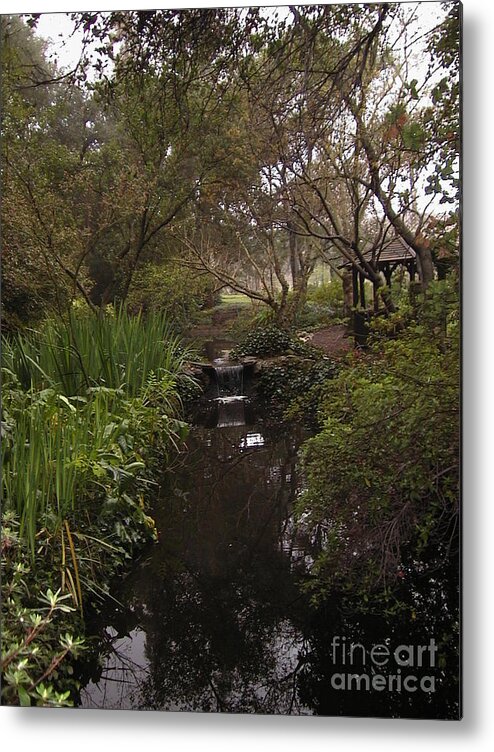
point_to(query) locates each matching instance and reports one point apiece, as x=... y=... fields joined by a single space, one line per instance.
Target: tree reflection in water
x=216 y=603
x=214 y=619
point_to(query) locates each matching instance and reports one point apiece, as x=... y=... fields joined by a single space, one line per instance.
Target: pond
x=213 y=619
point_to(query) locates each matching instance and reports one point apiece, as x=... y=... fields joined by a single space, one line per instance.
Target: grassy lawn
x=234 y=298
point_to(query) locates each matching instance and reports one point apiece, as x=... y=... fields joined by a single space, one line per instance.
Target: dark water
x=214 y=618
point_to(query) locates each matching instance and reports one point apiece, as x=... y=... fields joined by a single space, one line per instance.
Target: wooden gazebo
x=392 y=254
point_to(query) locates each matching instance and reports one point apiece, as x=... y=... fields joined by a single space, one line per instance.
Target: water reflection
x=214 y=618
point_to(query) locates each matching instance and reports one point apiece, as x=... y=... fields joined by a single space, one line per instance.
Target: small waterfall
x=231 y=401
x=229 y=378
x=231 y=412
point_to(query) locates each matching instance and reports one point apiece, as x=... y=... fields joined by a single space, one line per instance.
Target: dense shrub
x=314 y=316
x=299 y=369
x=270 y=340
x=255 y=316
x=382 y=475
x=30 y=290
x=284 y=385
x=37 y=629
x=329 y=296
x=323 y=306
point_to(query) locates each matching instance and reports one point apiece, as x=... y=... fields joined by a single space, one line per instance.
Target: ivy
x=270 y=340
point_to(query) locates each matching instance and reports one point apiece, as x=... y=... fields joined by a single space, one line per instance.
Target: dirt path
x=334 y=340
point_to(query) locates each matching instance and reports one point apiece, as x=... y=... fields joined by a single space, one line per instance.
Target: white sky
x=57 y=28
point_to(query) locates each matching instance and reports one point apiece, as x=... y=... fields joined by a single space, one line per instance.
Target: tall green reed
x=60 y=455
x=87 y=351
x=49 y=457
x=78 y=396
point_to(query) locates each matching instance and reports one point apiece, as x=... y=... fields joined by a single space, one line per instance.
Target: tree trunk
x=294 y=261
x=347 y=293
x=426 y=270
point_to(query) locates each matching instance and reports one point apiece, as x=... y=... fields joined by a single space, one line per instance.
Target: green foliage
x=92 y=192
x=413 y=136
x=112 y=350
x=28 y=293
x=293 y=387
x=83 y=406
x=328 y=294
x=443 y=235
x=382 y=475
x=36 y=649
x=60 y=455
x=323 y=306
x=30 y=287
x=269 y=340
x=176 y=292
x=255 y=316
x=87 y=405
x=442 y=121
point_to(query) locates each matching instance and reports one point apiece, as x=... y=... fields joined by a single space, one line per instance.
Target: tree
x=246 y=143
x=353 y=154
x=168 y=96
x=243 y=234
x=441 y=120
x=32 y=281
x=399 y=155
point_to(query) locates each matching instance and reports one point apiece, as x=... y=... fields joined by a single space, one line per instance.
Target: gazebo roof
x=392 y=251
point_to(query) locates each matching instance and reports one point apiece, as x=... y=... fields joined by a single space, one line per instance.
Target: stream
x=213 y=619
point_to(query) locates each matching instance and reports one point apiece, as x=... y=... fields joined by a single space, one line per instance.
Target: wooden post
x=387 y=273
x=355 y=287
x=347 y=292
x=362 y=290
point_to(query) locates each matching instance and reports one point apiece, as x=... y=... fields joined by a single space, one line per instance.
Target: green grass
x=234 y=298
